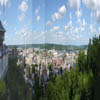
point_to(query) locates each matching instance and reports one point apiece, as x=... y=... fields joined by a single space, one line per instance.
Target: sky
x=67 y=22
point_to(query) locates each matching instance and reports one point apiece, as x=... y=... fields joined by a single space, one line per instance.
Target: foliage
x=33 y=68
x=2 y=90
x=50 y=67
x=28 y=68
x=93 y=56
x=38 y=90
x=18 y=89
x=82 y=61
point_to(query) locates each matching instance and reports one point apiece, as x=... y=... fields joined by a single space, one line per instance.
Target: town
x=42 y=62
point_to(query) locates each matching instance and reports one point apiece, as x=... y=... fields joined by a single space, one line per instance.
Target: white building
x=3 y=54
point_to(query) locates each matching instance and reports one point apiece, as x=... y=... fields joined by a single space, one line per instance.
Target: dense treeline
x=93 y=62
x=73 y=85
x=18 y=90
x=93 y=57
x=82 y=82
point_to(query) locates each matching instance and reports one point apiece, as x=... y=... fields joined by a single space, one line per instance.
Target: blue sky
x=68 y=22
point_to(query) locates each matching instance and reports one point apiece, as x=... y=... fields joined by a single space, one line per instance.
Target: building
x=3 y=54
x=13 y=53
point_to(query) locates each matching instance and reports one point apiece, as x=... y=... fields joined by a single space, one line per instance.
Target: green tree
x=2 y=90
x=88 y=85
x=74 y=93
x=33 y=68
x=50 y=67
x=51 y=94
x=81 y=62
x=38 y=90
x=17 y=86
x=94 y=56
x=66 y=79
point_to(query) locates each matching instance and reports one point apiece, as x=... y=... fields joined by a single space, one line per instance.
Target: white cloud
x=23 y=6
x=37 y=11
x=92 y=29
x=55 y=16
x=57 y=36
x=6 y=37
x=21 y=17
x=5 y=23
x=79 y=21
x=55 y=29
x=3 y=2
x=24 y=34
x=76 y=30
x=98 y=15
x=78 y=13
x=81 y=28
x=99 y=29
x=60 y=33
x=92 y=15
x=83 y=23
x=62 y=11
x=68 y=27
x=38 y=18
x=92 y=4
x=59 y=14
x=74 y=4
x=61 y=38
x=48 y=23
x=37 y=14
x=98 y=34
x=40 y=36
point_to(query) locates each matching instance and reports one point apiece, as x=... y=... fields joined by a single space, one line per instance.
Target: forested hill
x=51 y=46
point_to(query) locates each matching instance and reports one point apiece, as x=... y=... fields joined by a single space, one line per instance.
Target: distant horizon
x=48 y=44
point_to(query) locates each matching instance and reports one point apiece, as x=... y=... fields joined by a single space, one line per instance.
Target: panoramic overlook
x=49 y=49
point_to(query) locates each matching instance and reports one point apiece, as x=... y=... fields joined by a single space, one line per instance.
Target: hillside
x=51 y=46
